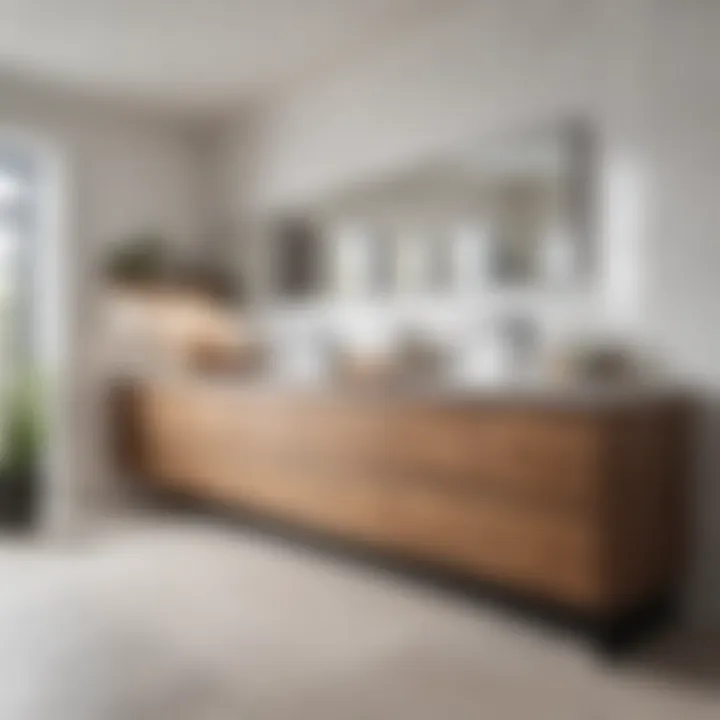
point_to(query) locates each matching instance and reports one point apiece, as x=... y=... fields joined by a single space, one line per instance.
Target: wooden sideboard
x=577 y=503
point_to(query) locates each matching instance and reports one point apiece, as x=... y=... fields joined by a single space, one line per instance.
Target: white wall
x=119 y=171
x=643 y=70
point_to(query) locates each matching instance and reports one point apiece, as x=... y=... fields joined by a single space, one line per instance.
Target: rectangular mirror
x=512 y=213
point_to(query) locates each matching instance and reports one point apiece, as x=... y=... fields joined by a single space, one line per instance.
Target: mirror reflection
x=509 y=214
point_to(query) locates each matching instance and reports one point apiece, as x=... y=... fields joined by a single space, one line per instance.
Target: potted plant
x=138 y=283
x=139 y=262
x=21 y=455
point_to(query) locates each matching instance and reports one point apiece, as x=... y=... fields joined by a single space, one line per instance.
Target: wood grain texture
x=580 y=506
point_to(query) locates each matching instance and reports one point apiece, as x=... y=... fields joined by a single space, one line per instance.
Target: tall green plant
x=22 y=444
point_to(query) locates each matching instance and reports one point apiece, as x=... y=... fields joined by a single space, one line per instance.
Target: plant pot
x=18 y=499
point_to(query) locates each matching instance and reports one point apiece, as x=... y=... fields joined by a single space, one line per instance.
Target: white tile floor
x=179 y=619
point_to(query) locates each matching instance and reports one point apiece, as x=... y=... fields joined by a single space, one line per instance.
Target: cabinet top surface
x=582 y=396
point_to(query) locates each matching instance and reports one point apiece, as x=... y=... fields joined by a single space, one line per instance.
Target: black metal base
x=611 y=636
x=627 y=631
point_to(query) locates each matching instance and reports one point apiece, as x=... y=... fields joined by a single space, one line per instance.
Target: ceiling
x=197 y=55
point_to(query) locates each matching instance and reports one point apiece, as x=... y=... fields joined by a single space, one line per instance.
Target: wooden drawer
x=554 y=556
x=309 y=429
x=187 y=439
x=306 y=496
x=168 y=430
x=553 y=458
x=548 y=457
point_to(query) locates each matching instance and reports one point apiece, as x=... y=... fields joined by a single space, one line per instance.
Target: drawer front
x=557 y=557
x=308 y=429
x=168 y=429
x=534 y=458
x=349 y=507
x=548 y=457
x=186 y=438
x=544 y=457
